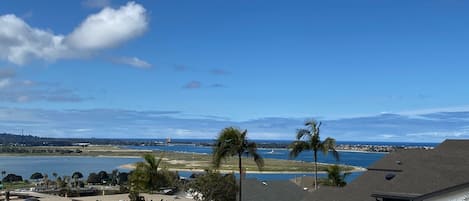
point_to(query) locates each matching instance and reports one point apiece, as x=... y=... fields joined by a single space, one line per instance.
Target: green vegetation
x=36 y=176
x=233 y=142
x=213 y=186
x=309 y=139
x=335 y=177
x=147 y=177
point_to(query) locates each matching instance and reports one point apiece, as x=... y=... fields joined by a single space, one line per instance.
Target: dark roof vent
x=390 y=176
x=399 y=162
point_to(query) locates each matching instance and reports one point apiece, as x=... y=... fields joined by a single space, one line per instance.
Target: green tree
x=93 y=178
x=76 y=178
x=147 y=177
x=213 y=186
x=36 y=176
x=233 y=142
x=308 y=139
x=334 y=176
x=103 y=176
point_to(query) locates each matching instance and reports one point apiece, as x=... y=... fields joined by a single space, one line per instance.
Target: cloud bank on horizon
x=22 y=43
x=103 y=123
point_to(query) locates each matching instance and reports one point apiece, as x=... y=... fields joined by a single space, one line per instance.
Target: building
x=255 y=190
x=409 y=175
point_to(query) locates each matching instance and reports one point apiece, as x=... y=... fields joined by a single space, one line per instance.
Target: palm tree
x=55 y=178
x=233 y=142
x=334 y=176
x=145 y=176
x=308 y=139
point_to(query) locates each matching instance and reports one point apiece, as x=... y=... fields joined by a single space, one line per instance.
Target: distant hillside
x=29 y=140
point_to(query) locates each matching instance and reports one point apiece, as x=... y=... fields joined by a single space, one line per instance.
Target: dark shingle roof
x=417 y=172
x=255 y=190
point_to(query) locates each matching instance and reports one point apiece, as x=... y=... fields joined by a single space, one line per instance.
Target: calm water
x=63 y=166
x=25 y=166
x=347 y=158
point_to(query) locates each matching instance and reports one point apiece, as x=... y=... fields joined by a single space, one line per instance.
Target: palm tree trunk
x=240 y=176
x=315 y=170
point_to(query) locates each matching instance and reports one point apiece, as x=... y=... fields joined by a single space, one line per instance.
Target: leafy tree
x=308 y=139
x=123 y=178
x=334 y=177
x=213 y=186
x=93 y=178
x=12 y=178
x=233 y=142
x=103 y=176
x=36 y=176
x=76 y=177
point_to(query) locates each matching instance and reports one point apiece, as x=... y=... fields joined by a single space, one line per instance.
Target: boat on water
x=271 y=152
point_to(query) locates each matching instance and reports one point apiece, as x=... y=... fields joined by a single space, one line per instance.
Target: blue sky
x=371 y=70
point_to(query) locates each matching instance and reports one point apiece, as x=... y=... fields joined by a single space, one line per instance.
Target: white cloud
x=106 y=29
x=20 y=42
x=132 y=61
x=109 y=28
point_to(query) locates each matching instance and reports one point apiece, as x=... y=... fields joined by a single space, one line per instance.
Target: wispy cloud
x=106 y=29
x=13 y=89
x=217 y=85
x=192 y=85
x=161 y=124
x=132 y=61
x=219 y=71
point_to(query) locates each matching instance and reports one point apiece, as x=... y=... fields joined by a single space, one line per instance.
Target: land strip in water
x=171 y=160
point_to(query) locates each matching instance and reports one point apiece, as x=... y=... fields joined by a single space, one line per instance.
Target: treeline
x=7 y=139
x=24 y=150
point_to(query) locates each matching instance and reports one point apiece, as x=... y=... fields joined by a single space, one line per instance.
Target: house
x=410 y=175
x=255 y=190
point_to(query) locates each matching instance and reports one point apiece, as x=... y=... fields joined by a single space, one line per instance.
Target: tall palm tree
x=308 y=139
x=233 y=142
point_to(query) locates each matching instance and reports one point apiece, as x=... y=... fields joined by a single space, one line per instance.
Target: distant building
x=409 y=175
x=82 y=144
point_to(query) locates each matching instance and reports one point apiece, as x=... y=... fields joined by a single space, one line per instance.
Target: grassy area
x=17 y=185
x=174 y=160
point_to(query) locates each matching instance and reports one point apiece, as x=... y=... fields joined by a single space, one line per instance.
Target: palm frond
x=228 y=143
x=300 y=133
x=329 y=145
x=297 y=147
x=252 y=150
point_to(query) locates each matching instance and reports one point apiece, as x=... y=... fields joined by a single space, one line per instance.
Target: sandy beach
x=356 y=169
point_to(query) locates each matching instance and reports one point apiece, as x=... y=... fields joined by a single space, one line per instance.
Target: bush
x=214 y=186
x=12 y=178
